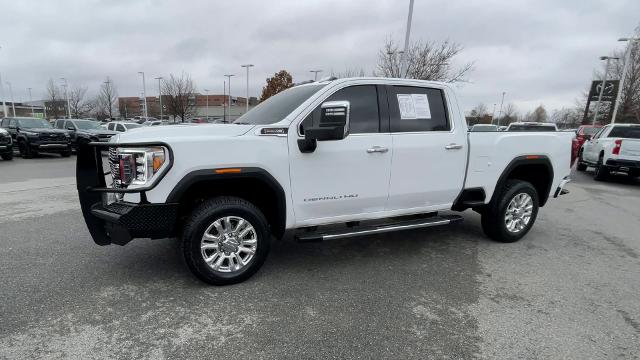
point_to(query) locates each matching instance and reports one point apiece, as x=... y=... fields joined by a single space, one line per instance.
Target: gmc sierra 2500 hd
x=324 y=160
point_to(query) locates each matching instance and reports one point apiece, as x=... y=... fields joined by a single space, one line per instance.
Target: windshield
x=278 y=106
x=590 y=130
x=628 y=132
x=87 y=125
x=34 y=123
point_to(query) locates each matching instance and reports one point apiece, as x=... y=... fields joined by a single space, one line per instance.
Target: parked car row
x=515 y=126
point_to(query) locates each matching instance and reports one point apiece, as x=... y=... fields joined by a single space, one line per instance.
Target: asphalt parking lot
x=569 y=289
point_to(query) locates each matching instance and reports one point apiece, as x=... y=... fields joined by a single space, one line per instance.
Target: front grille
x=5 y=139
x=121 y=176
x=51 y=136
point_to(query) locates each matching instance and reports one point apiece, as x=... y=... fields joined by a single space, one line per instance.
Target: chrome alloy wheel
x=229 y=244
x=518 y=213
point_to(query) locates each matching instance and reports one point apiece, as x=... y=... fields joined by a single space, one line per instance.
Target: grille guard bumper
x=118 y=224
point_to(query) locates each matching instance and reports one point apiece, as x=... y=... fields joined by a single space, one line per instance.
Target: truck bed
x=490 y=153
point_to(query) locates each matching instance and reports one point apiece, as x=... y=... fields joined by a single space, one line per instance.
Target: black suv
x=34 y=135
x=84 y=131
x=6 y=145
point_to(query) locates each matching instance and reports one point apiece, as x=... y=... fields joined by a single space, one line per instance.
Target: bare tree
x=509 y=115
x=179 y=96
x=566 y=118
x=478 y=115
x=80 y=105
x=349 y=72
x=105 y=102
x=54 y=97
x=424 y=61
x=538 y=115
x=629 y=108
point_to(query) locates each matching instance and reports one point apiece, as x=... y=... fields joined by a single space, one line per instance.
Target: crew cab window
x=416 y=115
x=597 y=136
x=628 y=132
x=120 y=127
x=60 y=124
x=363 y=113
x=110 y=126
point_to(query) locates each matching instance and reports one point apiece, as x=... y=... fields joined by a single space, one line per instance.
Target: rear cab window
x=628 y=132
x=417 y=109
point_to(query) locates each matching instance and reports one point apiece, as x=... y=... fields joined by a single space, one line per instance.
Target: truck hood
x=44 y=130
x=179 y=132
x=96 y=132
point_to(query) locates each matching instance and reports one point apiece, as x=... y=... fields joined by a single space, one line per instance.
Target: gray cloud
x=537 y=51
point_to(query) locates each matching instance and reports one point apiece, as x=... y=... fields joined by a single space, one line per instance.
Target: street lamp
x=206 y=91
x=13 y=103
x=500 y=111
x=315 y=74
x=247 y=101
x=4 y=105
x=625 y=68
x=144 y=95
x=229 y=77
x=403 y=57
x=159 y=78
x=604 y=82
x=31 y=103
x=66 y=95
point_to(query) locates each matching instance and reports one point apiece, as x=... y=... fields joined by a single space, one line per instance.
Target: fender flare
x=202 y=175
x=526 y=160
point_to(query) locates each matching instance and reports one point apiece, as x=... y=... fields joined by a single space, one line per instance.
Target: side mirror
x=334 y=125
x=334 y=122
x=71 y=128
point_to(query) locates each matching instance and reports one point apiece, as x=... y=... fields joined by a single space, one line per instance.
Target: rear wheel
x=602 y=171
x=225 y=241
x=581 y=166
x=512 y=213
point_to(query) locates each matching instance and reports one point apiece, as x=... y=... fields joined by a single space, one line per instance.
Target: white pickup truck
x=616 y=147
x=324 y=160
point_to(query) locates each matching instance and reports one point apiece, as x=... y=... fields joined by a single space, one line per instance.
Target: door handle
x=453 y=147
x=377 y=149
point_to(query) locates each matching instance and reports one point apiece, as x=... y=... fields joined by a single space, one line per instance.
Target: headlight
x=134 y=168
x=66 y=135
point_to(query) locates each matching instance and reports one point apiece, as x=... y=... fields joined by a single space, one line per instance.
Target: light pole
x=625 y=68
x=229 y=81
x=4 y=105
x=315 y=74
x=247 y=101
x=66 y=95
x=403 y=57
x=144 y=95
x=159 y=78
x=604 y=82
x=493 y=113
x=500 y=111
x=206 y=91
x=13 y=103
x=31 y=103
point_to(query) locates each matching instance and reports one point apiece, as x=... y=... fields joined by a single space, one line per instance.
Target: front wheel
x=7 y=156
x=225 y=241
x=512 y=213
x=25 y=150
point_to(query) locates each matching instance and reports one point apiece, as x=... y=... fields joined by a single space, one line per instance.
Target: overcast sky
x=539 y=51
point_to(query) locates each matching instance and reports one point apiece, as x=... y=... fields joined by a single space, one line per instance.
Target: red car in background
x=584 y=133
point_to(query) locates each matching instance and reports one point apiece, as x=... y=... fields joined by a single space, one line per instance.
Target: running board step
x=379 y=229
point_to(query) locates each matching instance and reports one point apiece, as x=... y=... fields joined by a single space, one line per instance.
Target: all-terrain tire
x=494 y=223
x=203 y=217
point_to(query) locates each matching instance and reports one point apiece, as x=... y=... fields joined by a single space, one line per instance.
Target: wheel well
x=539 y=175
x=258 y=191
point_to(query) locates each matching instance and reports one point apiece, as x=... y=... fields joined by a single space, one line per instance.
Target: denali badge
x=336 y=197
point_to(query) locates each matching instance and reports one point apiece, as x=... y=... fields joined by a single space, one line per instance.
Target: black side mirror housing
x=334 y=125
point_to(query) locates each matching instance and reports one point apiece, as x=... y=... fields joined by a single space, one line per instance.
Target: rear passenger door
x=429 y=154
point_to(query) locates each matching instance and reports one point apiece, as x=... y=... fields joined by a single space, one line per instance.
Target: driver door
x=342 y=179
